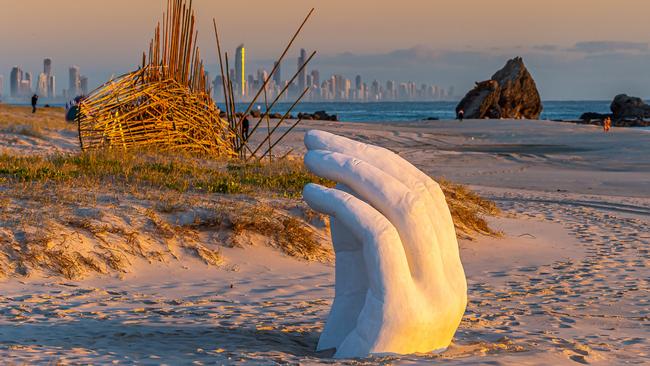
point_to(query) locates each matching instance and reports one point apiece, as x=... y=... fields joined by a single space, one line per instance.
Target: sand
x=568 y=283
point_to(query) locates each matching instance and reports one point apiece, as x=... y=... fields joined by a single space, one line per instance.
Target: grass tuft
x=468 y=210
x=147 y=169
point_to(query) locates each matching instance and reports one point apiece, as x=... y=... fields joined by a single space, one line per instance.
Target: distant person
x=461 y=115
x=244 y=127
x=607 y=124
x=34 y=101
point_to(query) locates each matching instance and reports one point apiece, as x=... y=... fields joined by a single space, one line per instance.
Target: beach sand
x=567 y=284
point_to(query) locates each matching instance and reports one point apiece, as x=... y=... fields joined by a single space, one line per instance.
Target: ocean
x=417 y=111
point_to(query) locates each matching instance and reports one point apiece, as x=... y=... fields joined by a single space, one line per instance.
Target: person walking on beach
x=607 y=124
x=461 y=114
x=34 y=101
x=244 y=127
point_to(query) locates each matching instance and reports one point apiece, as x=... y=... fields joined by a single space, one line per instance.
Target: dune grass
x=469 y=210
x=20 y=120
x=139 y=197
x=147 y=169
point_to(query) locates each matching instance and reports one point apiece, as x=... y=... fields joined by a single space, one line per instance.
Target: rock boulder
x=625 y=107
x=510 y=93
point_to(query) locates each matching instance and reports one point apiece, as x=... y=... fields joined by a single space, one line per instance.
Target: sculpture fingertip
x=313 y=139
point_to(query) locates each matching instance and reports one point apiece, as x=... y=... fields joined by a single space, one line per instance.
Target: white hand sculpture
x=400 y=285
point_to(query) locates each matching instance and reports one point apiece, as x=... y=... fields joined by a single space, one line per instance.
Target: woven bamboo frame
x=165 y=104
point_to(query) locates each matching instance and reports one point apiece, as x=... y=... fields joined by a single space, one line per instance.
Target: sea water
x=417 y=111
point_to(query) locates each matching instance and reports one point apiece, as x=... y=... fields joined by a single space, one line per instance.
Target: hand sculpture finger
x=381 y=245
x=384 y=260
x=390 y=197
x=399 y=168
x=351 y=286
x=422 y=309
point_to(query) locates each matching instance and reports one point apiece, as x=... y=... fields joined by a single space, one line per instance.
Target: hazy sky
x=576 y=49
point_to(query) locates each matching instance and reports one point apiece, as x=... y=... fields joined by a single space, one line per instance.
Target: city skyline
x=22 y=84
x=431 y=42
x=335 y=88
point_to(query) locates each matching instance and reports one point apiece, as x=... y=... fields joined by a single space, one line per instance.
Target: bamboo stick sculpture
x=166 y=103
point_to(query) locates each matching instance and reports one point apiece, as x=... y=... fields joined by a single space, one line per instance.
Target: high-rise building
x=47 y=66
x=74 y=85
x=262 y=75
x=41 y=85
x=231 y=76
x=277 y=77
x=240 y=70
x=315 y=77
x=217 y=87
x=302 y=79
x=49 y=90
x=51 y=86
x=15 y=79
x=2 y=85
x=310 y=80
x=375 y=92
x=26 y=84
x=83 y=85
x=25 y=88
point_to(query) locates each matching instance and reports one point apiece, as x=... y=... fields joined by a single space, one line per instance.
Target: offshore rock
x=510 y=93
x=625 y=107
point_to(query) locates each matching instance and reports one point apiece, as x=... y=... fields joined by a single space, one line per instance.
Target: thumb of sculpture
x=400 y=286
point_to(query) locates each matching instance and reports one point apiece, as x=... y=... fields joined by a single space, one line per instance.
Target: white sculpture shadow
x=400 y=285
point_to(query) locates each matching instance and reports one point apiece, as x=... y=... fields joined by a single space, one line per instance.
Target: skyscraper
x=2 y=85
x=15 y=79
x=26 y=84
x=83 y=85
x=51 y=86
x=49 y=90
x=74 y=84
x=47 y=66
x=41 y=85
x=277 y=77
x=240 y=70
x=302 y=78
x=315 y=77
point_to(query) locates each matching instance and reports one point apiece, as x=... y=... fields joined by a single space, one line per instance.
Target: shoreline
x=415 y=111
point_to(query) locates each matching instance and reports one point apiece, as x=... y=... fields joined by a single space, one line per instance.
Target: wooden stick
x=268 y=125
x=283 y=91
x=277 y=64
x=280 y=139
x=281 y=120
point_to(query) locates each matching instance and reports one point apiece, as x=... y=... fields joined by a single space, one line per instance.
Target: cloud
x=546 y=48
x=610 y=46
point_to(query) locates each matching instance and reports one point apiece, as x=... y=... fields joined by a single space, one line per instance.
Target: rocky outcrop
x=625 y=107
x=627 y=111
x=481 y=101
x=589 y=116
x=510 y=93
x=318 y=116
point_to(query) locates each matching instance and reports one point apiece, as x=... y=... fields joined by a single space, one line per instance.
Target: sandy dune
x=567 y=284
